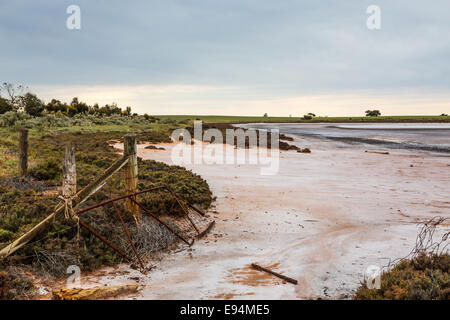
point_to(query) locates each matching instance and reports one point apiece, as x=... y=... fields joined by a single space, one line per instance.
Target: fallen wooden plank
x=378 y=152
x=97 y=293
x=79 y=198
x=255 y=266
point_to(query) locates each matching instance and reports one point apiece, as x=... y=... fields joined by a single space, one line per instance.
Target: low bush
x=5 y=235
x=426 y=277
x=58 y=119
x=49 y=170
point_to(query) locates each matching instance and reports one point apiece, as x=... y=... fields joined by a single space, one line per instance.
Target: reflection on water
x=419 y=136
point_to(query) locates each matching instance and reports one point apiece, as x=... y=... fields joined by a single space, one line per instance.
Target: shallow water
x=419 y=136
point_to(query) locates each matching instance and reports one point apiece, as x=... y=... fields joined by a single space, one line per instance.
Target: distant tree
x=444 y=115
x=71 y=111
x=13 y=93
x=32 y=104
x=5 y=105
x=308 y=116
x=94 y=109
x=265 y=115
x=373 y=113
x=128 y=111
x=104 y=111
x=56 y=106
x=115 y=109
x=81 y=107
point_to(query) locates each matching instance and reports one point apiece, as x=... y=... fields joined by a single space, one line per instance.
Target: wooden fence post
x=69 y=169
x=23 y=153
x=80 y=197
x=131 y=173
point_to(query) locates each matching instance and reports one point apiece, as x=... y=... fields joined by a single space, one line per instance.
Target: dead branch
x=257 y=267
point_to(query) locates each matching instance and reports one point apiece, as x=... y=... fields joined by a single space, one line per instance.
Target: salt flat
x=322 y=220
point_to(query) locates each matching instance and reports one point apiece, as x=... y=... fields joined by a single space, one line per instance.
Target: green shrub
x=425 y=277
x=5 y=235
x=11 y=118
x=5 y=106
x=46 y=171
x=59 y=119
x=32 y=104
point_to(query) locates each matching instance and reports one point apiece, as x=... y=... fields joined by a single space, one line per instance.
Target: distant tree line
x=18 y=98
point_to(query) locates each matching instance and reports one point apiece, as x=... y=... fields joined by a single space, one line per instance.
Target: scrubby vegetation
x=22 y=119
x=19 y=107
x=23 y=203
x=424 y=274
x=425 y=277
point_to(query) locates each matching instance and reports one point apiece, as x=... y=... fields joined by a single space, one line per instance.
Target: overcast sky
x=243 y=57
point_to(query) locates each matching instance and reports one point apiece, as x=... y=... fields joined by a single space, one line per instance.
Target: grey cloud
x=283 y=46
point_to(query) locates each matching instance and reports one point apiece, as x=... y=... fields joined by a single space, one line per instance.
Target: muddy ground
x=322 y=220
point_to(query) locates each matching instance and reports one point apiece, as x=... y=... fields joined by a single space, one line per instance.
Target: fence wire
x=426 y=242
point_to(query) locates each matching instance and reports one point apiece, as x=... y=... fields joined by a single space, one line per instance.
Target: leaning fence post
x=69 y=169
x=23 y=153
x=131 y=173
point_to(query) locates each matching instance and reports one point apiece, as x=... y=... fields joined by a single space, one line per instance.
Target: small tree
x=5 y=106
x=71 y=111
x=94 y=109
x=32 y=104
x=55 y=106
x=13 y=93
x=81 y=107
x=373 y=113
x=265 y=115
x=308 y=116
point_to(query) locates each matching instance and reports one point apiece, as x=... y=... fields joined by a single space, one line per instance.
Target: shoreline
x=344 y=121
x=322 y=220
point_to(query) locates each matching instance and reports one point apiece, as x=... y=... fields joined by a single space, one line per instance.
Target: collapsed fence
x=71 y=201
x=132 y=197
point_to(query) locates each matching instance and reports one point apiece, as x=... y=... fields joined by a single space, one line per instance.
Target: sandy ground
x=322 y=220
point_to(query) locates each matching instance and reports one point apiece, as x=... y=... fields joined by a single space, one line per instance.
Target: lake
x=433 y=137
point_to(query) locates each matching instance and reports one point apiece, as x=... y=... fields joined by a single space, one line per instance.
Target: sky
x=233 y=57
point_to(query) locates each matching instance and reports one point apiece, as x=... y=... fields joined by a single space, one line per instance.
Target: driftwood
x=78 y=199
x=255 y=266
x=93 y=293
x=378 y=152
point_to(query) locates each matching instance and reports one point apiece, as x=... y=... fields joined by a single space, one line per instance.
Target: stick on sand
x=255 y=266
x=379 y=152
